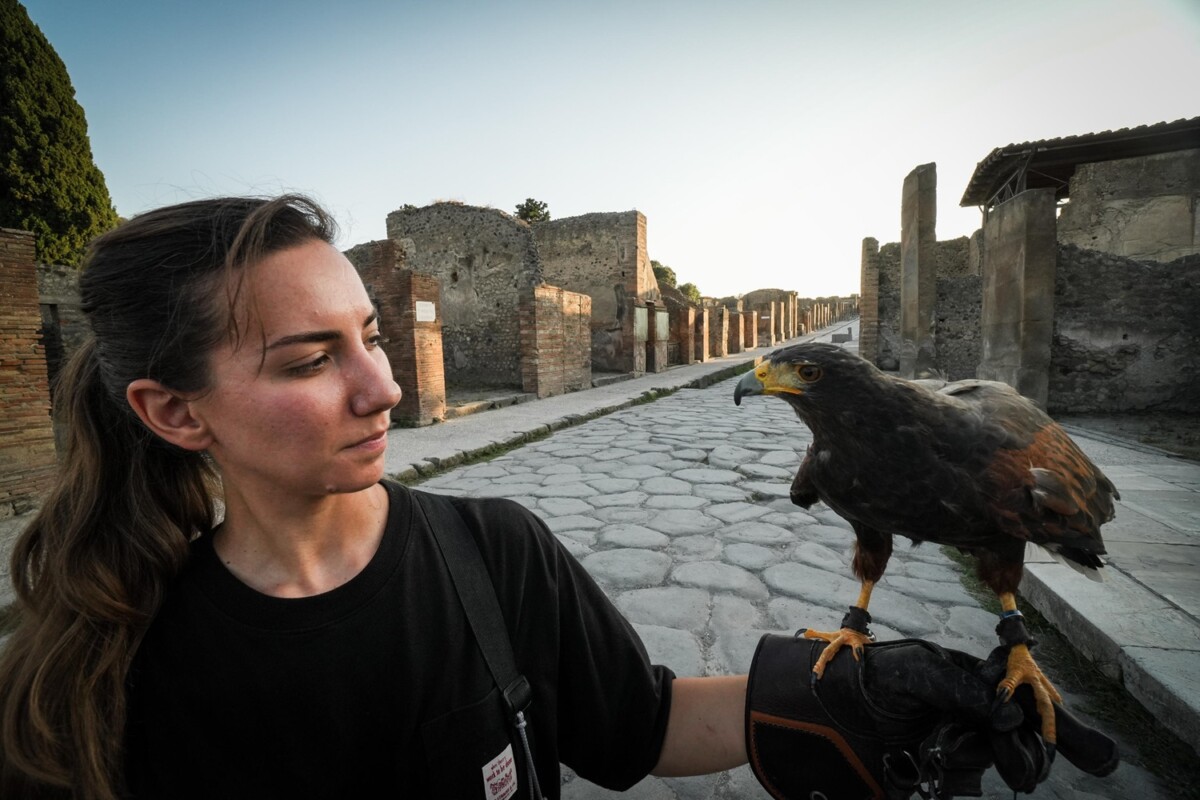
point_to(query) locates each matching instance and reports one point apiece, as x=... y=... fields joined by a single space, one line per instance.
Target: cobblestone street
x=679 y=509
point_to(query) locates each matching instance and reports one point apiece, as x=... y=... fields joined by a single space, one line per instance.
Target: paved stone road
x=679 y=509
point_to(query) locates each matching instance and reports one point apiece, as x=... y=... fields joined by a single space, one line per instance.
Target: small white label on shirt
x=500 y=776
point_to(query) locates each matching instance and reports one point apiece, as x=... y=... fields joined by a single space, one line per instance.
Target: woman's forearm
x=705 y=731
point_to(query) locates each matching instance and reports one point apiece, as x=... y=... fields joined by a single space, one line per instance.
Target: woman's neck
x=285 y=548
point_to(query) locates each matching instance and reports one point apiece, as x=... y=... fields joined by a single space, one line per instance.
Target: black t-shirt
x=377 y=688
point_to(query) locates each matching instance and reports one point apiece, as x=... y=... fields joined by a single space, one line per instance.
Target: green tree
x=662 y=273
x=533 y=211
x=49 y=183
x=690 y=292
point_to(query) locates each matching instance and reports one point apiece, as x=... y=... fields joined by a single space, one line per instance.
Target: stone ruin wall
x=1144 y=208
x=956 y=311
x=957 y=336
x=1125 y=334
x=603 y=255
x=484 y=259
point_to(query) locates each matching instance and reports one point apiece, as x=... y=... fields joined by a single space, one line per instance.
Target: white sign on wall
x=425 y=311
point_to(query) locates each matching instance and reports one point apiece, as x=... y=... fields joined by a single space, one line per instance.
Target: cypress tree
x=49 y=183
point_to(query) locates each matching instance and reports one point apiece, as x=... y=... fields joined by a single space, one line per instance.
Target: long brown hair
x=91 y=569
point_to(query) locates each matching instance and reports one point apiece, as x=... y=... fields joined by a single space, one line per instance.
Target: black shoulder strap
x=478 y=596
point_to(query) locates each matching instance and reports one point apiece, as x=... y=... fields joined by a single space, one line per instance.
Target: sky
x=762 y=139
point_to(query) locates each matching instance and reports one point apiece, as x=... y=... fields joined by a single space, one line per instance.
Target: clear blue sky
x=762 y=139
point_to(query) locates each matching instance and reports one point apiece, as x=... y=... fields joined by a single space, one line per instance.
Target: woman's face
x=300 y=405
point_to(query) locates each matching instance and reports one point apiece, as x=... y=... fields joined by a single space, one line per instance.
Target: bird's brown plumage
x=971 y=464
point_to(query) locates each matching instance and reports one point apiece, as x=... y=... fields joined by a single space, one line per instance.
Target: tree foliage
x=690 y=292
x=662 y=273
x=49 y=183
x=533 y=211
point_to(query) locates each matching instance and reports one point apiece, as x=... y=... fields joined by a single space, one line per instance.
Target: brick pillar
x=410 y=315
x=683 y=332
x=26 y=434
x=701 y=338
x=868 y=302
x=577 y=341
x=734 y=337
x=718 y=332
x=1017 y=317
x=541 y=323
x=750 y=329
x=918 y=282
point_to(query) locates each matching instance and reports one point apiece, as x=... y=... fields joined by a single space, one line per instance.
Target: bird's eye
x=809 y=373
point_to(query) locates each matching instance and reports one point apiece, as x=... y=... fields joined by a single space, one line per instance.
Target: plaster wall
x=1140 y=208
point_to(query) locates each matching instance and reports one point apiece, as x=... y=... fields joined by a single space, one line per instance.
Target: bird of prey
x=968 y=463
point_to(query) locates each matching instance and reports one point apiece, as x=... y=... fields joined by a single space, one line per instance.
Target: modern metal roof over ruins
x=1051 y=162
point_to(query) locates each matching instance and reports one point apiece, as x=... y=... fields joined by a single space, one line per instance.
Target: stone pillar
x=918 y=287
x=637 y=335
x=657 y=336
x=750 y=330
x=27 y=454
x=735 y=331
x=701 y=334
x=1020 y=258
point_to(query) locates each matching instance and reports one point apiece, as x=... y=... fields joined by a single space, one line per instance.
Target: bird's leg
x=1023 y=669
x=854 y=632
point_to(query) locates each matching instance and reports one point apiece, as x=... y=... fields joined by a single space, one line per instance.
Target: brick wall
x=26 y=433
x=411 y=321
x=555 y=346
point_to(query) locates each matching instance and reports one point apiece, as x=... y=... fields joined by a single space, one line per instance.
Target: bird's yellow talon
x=837 y=640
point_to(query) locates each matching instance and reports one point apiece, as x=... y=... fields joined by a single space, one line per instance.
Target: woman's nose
x=376 y=390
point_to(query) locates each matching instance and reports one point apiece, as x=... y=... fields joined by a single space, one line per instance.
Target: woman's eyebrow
x=309 y=337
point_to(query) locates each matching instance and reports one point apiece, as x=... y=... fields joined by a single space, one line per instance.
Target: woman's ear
x=167 y=414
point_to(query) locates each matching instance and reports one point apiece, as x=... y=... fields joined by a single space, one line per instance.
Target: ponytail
x=92 y=568
x=90 y=572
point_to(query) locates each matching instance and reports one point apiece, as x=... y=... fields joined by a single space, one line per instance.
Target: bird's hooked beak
x=766 y=378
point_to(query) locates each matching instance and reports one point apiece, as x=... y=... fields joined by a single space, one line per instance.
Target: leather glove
x=1021 y=757
x=910 y=717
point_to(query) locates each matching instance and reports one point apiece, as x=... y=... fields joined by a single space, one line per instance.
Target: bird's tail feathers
x=1037 y=554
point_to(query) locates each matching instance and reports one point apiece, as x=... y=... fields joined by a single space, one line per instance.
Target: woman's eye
x=309 y=367
x=376 y=340
x=809 y=373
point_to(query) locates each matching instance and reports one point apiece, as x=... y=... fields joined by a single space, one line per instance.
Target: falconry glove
x=909 y=718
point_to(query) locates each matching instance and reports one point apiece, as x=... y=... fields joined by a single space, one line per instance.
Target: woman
x=312 y=644
x=290 y=649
